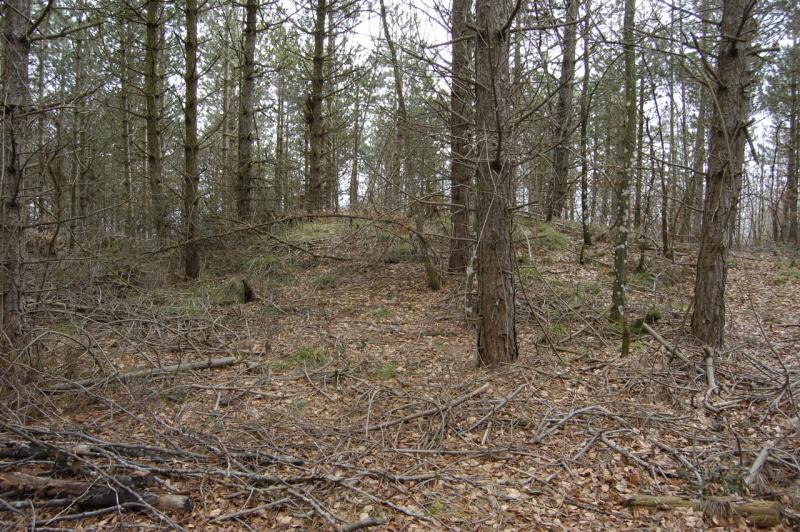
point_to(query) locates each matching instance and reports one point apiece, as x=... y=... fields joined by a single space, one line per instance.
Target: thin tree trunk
x=627 y=145
x=124 y=105
x=246 y=146
x=497 y=336
x=587 y=235
x=461 y=167
x=353 y=188
x=726 y=158
x=280 y=183
x=15 y=124
x=403 y=148
x=692 y=207
x=790 y=211
x=191 y=178
x=561 y=154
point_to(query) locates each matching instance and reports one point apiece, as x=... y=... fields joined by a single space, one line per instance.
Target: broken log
x=166 y=370
x=91 y=495
x=763 y=514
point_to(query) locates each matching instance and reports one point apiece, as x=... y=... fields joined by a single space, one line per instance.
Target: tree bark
x=16 y=59
x=561 y=153
x=691 y=203
x=155 y=162
x=726 y=159
x=790 y=209
x=191 y=178
x=314 y=198
x=627 y=145
x=497 y=336
x=245 y=165
x=587 y=235
x=461 y=167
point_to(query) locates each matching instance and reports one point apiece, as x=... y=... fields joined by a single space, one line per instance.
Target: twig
x=497 y=407
x=429 y=411
x=248 y=511
x=363 y=523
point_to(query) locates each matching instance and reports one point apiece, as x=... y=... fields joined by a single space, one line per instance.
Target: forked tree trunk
x=191 y=179
x=497 y=336
x=16 y=48
x=561 y=158
x=246 y=146
x=461 y=167
x=726 y=158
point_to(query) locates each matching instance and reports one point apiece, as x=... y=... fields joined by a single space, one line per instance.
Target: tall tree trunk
x=637 y=209
x=403 y=148
x=692 y=206
x=313 y=111
x=587 y=235
x=331 y=179
x=790 y=211
x=461 y=167
x=245 y=166
x=280 y=183
x=627 y=145
x=353 y=188
x=561 y=154
x=191 y=178
x=726 y=159
x=155 y=163
x=497 y=336
x=125 y=133
x=16 y=56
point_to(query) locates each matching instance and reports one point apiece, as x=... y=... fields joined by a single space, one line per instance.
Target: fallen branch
x=760 y=513
x=660 y=339
x=90 y=495
x=166 y=370
x=364 y=523
x=759 y=462
x=497 y=407
x=429 y=411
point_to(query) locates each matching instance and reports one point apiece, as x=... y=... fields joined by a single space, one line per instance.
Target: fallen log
x=166 y=370
x=763 y=514
x=91 y=495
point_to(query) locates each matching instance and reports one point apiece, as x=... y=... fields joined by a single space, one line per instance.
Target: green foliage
x=326 y=280
x=381 y=313
x=792 y=273
x=644 y=279
x=309 y=357
x=551 y=239
x=436 y=508
x=386 y=371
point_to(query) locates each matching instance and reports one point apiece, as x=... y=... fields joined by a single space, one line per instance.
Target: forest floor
x=355 y=399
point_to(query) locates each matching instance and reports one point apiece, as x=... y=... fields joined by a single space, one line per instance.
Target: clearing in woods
x=353 y=400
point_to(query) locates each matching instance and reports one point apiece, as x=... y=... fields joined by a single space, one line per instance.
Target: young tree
x=497 y=336
x=16 y=56
x=627 y=146
x=461 y=167
x=726 y=160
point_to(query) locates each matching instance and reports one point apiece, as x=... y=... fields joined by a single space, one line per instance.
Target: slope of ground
x=355 y=399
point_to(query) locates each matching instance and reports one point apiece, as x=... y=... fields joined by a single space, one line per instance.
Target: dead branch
x=91 y=494
x=429 y=411
x=660 y=339
x=760 y=513
x=166 y=370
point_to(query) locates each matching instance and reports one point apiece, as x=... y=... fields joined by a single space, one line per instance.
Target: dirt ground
x=354 y=399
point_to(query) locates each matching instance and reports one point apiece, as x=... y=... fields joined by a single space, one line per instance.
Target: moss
x=551 y=239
